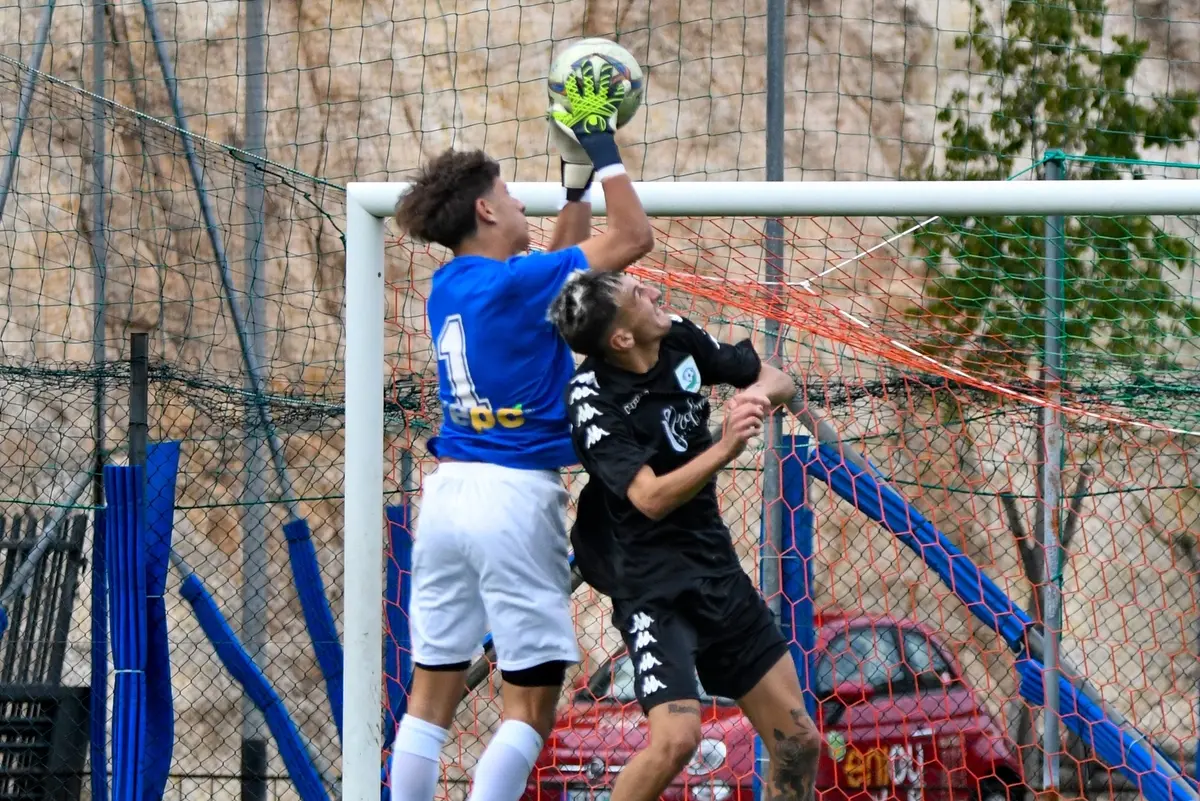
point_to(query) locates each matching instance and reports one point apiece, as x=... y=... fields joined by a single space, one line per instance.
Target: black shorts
x=720 y=629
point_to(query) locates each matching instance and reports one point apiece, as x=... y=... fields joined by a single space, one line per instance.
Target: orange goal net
x=922 y=342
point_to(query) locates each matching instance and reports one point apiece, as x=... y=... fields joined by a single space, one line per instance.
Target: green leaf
x=1053 y=83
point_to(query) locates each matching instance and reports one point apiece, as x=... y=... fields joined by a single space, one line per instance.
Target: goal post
x=369 y=205
x=847 y=198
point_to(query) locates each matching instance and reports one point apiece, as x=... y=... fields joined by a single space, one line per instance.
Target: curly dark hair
x=586 y=309
x=439 y=206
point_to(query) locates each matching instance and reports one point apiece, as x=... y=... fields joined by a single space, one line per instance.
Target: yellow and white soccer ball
x=599 y=50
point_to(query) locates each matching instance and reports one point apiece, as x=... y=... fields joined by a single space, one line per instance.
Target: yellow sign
x=880 y=768
x=866 y=770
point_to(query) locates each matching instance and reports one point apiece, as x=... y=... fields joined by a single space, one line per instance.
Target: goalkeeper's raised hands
x=589 y=117
x=577 y=170
x=593 y=97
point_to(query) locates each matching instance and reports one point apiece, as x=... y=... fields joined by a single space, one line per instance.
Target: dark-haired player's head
x=459 y=201
x=609 y=314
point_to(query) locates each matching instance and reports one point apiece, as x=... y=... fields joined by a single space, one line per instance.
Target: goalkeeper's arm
x=588 y=127
x=574 y=222
x=628 y=236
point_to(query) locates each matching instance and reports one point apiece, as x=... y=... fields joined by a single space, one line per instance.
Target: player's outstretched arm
x=591 y=122
x=572 y=226
x=657 y=496
x=774 y=387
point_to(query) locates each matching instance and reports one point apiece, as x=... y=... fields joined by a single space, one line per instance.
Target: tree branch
x=1071 y=524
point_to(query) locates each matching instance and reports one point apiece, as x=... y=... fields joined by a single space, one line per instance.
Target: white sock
x=414 y=769
x=503 y=770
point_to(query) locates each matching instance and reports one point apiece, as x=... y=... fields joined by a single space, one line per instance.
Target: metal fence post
x=1051 y=478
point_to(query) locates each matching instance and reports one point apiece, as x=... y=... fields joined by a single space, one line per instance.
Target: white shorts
x=490 y=549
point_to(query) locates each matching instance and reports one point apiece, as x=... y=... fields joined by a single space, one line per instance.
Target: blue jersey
x=502 y=366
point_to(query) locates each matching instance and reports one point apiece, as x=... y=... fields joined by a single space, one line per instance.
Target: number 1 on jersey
x=452 y=349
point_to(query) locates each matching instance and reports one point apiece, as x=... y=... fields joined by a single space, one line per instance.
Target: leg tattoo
x=794 y=761
x=683 y=709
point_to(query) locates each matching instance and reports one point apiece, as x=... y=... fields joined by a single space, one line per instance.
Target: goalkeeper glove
x=577 y=170
x=590 y=115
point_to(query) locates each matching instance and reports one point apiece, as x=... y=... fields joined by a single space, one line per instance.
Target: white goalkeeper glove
x=577 y=170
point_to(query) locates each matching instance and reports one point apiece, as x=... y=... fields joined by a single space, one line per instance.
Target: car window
x=922 y=655
x=929 y=666
x=862 y=654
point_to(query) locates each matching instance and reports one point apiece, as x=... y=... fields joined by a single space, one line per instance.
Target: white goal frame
x=369 y=204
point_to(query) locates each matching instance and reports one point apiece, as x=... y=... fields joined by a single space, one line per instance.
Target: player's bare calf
x=775 y=708
x=674 y=737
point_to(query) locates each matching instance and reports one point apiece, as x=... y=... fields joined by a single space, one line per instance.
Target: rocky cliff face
x=366 y=90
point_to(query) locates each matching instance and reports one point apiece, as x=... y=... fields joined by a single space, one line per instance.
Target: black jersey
x=622 y=421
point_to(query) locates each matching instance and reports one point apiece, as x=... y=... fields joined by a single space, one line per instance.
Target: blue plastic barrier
x=397 y=647
x=124 y=487
x=98 y=706
x=795 y=575
x=318 y=617
x=162 y=467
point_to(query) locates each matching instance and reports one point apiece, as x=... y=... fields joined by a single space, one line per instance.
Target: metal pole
x=99 y=243
x=139 y=397
x=214 y=236
x=254 y=509
x=772 y=513
x=771 y=546
x=1051 y=475
x=40 y=37
x=99 y=239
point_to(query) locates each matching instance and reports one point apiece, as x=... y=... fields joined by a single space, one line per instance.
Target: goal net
x=913 y=316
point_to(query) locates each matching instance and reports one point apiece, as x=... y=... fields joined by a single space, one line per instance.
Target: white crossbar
x=854 y=198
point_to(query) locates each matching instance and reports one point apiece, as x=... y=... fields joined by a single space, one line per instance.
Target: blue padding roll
x=884 y=505
x=98 y=705
x=127 y=598
x=1125 y=751
x=252 y=681
x=310 y=588
x=162 y=467
x=397 y=640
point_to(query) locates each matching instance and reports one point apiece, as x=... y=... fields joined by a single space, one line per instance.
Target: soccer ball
x=599 y=50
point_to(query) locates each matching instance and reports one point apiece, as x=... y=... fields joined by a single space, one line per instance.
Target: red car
x=897 y=717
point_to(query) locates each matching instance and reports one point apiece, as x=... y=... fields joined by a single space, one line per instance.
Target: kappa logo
x=651 y=685
x=642 y=640
x=633 y=404
x=641 y=621
x=688 y=375
x=585 y=413
x=647 y=662
x=579 y=393
x=588 y=378
x=594 y=434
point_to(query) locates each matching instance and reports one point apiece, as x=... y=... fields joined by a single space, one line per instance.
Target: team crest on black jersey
x=688 y=375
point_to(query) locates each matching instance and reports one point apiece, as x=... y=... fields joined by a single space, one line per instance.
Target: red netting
x=886 y=326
